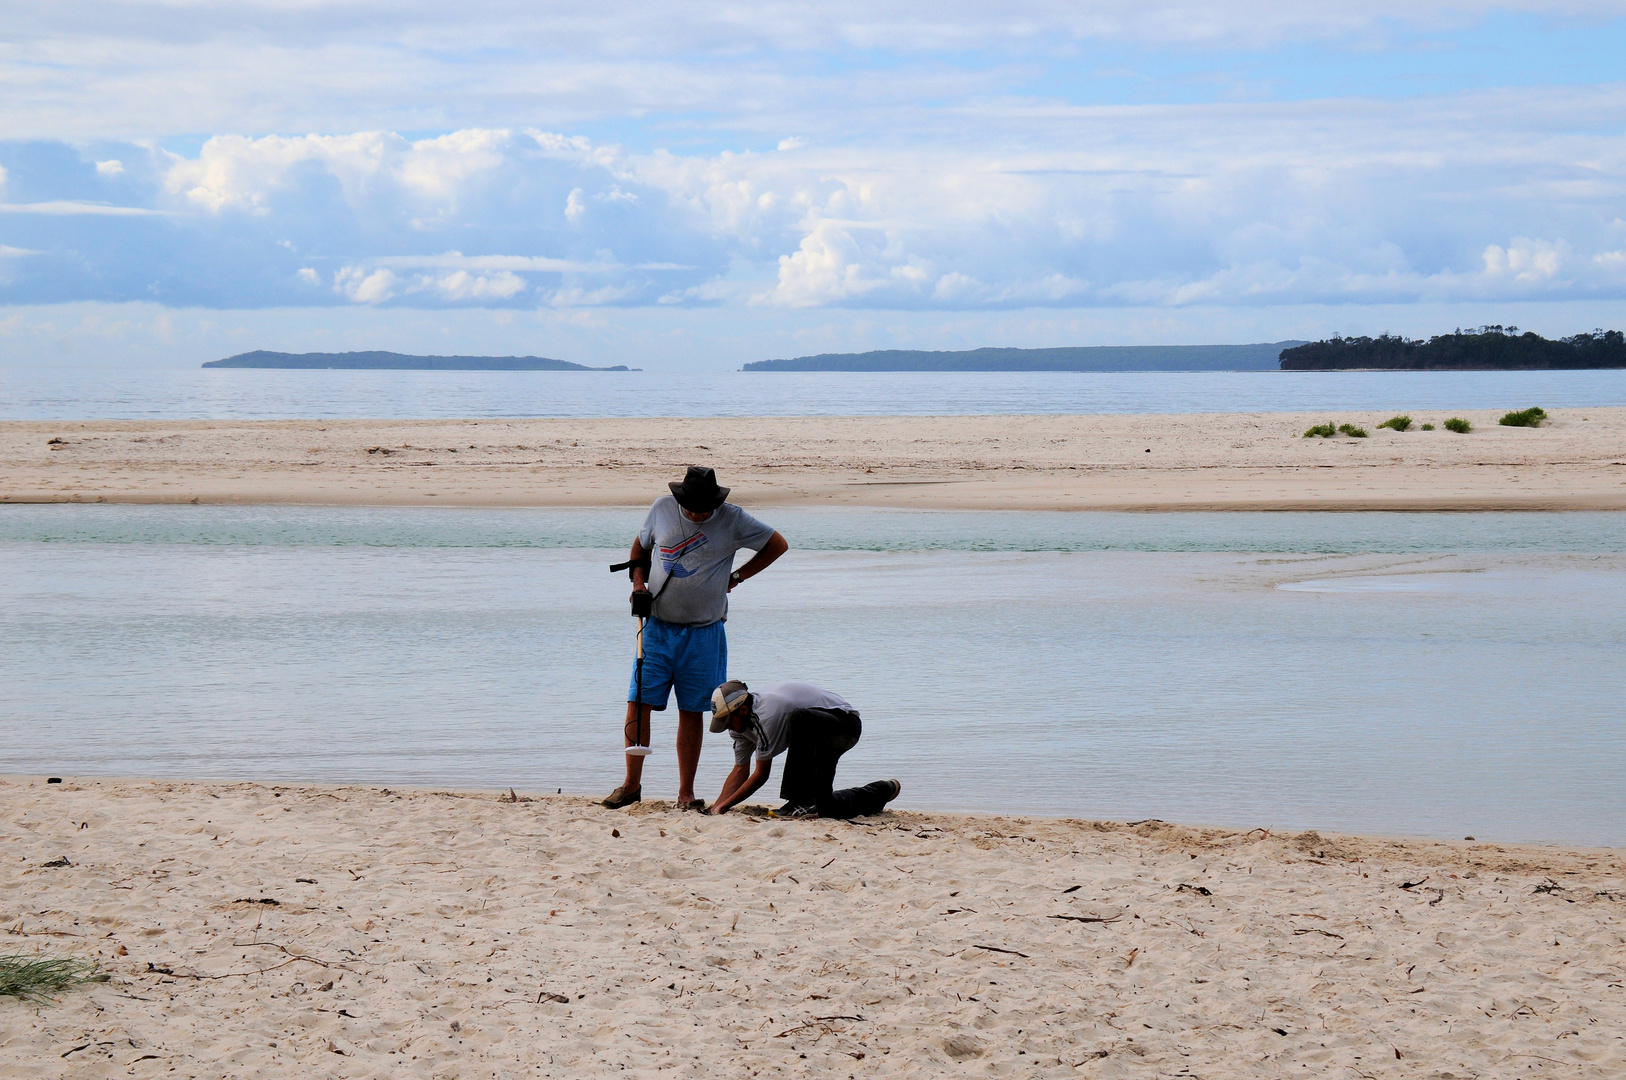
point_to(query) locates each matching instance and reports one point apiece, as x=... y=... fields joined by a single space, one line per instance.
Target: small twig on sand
x=1085 y=918
x=996 y=948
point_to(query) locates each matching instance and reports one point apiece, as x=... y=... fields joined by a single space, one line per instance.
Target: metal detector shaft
x=639 y=748
x=642 y=605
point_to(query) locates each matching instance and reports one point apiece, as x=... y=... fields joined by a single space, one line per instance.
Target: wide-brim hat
x=698 y=491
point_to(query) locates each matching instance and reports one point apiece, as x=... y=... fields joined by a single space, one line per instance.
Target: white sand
x=903 y=945
x=1216 y=461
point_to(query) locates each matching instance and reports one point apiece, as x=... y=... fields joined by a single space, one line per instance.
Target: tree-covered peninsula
x=1489 y=348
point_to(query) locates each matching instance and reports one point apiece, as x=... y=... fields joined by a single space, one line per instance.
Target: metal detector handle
x=630 y=565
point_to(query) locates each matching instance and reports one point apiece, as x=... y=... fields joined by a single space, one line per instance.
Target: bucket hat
x=698 y=492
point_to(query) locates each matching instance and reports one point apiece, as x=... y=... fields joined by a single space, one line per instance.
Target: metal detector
x=643 y=606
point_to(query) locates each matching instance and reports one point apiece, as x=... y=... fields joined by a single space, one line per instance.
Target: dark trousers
x=818 y=738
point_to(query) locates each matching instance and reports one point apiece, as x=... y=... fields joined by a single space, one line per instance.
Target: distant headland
x=1489 y=348
x=389 y=361
x=1261 y=357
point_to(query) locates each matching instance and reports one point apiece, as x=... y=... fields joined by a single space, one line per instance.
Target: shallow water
x=1393 y=678
x=90 y=393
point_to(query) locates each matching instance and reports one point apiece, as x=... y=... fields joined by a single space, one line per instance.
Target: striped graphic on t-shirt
x=671 y=557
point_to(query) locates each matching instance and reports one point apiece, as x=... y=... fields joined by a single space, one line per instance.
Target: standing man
x=816 y=726
x=684 y=556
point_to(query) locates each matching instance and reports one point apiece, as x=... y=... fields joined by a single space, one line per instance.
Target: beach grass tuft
x=1352 y=431
x=1458 y=425
x=1398 y=423
x=1321 y=431
x=31 y=978
x=1531 y=417
x=1428 y=427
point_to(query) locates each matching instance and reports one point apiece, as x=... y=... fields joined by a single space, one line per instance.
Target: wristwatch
x=734 y=579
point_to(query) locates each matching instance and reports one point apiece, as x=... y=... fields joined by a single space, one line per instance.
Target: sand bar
x=1577 y=461
x=254 y=930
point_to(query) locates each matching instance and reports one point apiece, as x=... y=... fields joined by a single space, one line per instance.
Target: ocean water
x=80 y=393
x=1442 y=675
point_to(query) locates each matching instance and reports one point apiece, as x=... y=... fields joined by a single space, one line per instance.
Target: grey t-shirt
x=696 y=558
x=769 y=734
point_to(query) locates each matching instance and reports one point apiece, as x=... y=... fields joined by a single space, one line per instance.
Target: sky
x=693 y=185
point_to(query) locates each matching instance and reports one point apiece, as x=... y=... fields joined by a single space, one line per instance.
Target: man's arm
x=775 y=547
x=637 y=571
x=743 y=787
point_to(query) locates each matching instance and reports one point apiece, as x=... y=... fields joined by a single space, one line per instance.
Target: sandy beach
x=1254 y=461
x=253 y=930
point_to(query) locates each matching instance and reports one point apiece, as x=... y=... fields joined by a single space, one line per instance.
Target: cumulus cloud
x=235 y=172
x=461 y=285
x=1029 y=202
x=575 y=208
x=110 y=168
x=1524 y=260
x=354 y=283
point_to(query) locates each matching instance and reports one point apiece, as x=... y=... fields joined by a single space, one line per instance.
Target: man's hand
x=739 y=786
x=775 y=547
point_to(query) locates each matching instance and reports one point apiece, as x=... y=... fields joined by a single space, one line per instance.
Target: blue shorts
x=692 y=658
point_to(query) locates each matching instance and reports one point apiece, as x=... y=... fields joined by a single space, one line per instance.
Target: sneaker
x=897 y=789
x=795 y=813
x=619 y=798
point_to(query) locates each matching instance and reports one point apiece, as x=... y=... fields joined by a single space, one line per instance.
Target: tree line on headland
x=1489 y=348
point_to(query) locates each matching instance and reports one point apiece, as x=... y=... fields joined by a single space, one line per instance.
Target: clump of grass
x=30 y=978
x=1352 y=431
x=1321 y=431
x=1399 y=423
x=1531 y=417
x=1428 y=427
x=1458 y=425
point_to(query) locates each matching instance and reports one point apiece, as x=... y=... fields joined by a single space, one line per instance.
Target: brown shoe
x=619 y=798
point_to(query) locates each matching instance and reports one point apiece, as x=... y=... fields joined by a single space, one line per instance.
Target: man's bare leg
x=635 y=765
x=689 y=736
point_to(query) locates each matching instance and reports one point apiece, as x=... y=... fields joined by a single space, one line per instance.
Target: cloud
x=1033 y=203
x=354 y=283
x=1524 y=260
x=234 y=172
x=110 y=168
x=60 y=207
x=575 y=208
x=461 y=285
x=7 y=252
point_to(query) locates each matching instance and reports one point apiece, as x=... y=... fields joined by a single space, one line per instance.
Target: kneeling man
x=815 y=726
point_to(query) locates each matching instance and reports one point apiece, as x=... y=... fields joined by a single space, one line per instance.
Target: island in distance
x=389 y=361
x=1260 y=357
